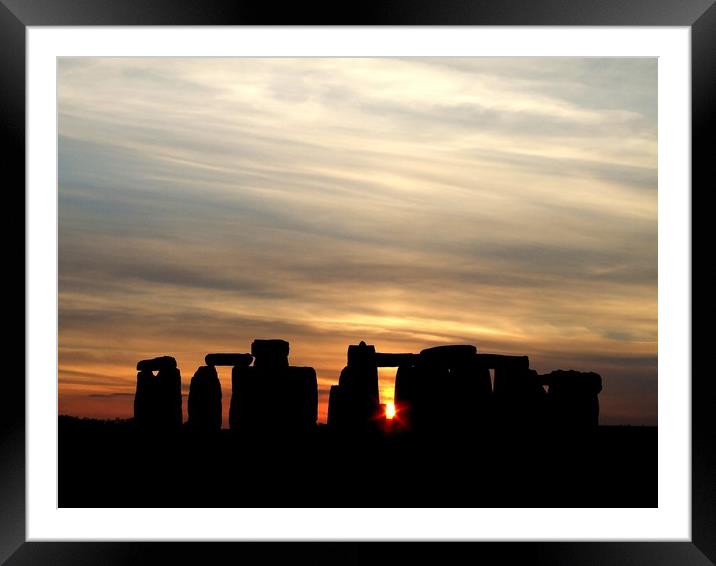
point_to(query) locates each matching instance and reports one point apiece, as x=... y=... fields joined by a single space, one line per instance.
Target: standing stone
x=574 y=399
x=471 y=400
x=361 y=382
x=145 y=399
x=245 y=399
x=335 y=407
x=157 y=401
x=204 y=404
x=270 y=354
x=408 y=397
x=445 y=392
x=519 y=398
x=296 y=394
x=357 y=408
x=271 y=396
x=169 y=392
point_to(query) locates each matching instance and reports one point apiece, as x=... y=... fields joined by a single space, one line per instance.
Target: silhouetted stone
x=271 y=396
x=357 y=406
x=354 y=403
x=145 y=399
x=362 y=372
x=573 y=399
x=472 y=395
x=420 y=407
x=155 y=364
x=498 y=361
x=157 y=401
x=387 y=360
x=515 y=379
x=409 y=394
x=169 y=392
x=335 y=407
x=298 y=394
x=448 y=355
x=428 y=409
x=384 y=423
x=361 y=355
x=224 y=359
x=204 y=404
x=270 y=352
x=519 y=398
x=246 y=399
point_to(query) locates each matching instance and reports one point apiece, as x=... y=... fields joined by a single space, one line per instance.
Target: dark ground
x=112 y=464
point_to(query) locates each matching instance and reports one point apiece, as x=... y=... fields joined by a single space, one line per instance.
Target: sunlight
x=389 y=410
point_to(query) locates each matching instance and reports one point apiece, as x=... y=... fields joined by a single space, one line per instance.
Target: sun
x=389 y=410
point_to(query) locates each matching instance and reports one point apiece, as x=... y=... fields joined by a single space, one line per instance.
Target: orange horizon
x=115 y=400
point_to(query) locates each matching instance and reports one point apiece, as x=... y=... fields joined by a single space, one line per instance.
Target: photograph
x=357 y=282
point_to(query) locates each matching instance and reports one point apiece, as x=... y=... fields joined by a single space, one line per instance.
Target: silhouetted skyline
x=504 y=202
x=270 y=396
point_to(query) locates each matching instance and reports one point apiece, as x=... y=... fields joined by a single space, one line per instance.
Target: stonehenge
x=442 y=389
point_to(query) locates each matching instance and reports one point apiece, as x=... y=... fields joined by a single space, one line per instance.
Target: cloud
x=101 y=395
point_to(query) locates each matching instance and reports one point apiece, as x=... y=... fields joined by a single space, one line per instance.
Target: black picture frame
x=699 y=15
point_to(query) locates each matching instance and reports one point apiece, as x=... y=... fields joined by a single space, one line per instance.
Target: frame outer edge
x=703 y=123
x=12 y=120
x=368 y=12
x=12 y=397
x=354 y=553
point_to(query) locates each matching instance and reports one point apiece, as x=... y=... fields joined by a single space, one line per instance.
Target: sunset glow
x=389 y=410
x=503 y=202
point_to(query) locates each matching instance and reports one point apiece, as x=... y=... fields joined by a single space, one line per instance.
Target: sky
x=509 y=203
